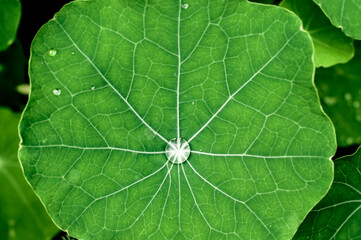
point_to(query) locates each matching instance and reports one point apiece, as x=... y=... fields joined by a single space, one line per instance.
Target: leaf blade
x=163 y=84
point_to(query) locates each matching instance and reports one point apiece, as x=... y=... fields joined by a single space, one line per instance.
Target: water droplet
x=92 y=88
x=193 y=103
x=52 y=52
x=177 y=150
x=185 y=5
x=330 y=101
x=74 y=177
x=56 y=91
x=72 y=53
x=348 y=97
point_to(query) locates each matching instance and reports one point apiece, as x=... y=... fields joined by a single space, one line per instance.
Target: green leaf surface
x=338 y=215
x=344 y=14
x=330 y=43
x=12 y=66
x=115 y=84
x=22 y=216
x=10 y=13
x=339 y=88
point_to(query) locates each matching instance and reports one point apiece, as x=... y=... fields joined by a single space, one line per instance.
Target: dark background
x=37 y=13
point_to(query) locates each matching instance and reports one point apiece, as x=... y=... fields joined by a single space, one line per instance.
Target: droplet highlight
x=56 y=91
x=185 y=5
x=177 y=150
x=92 y=88
x=52 y=52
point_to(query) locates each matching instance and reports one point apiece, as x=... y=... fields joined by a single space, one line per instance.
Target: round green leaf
x=22 y=216
x=344 y=14
x=10 y=13
x=338 y=215
x=340 y=92
x=121 y=89
x=331 y=45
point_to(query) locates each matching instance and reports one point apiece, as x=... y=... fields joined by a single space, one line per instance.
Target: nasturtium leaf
x=12 y=66
x=330 y=43
x=339 y=88
x=175 y=120
x=10 y=13
x=338 y=215
x=22 y=216
x=344 y=14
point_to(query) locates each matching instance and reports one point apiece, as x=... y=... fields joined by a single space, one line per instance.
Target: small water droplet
x=72 y=53
x=56 y=91
x=185 y=5
x=52 y=52
x=330 y=101
x=92 y=88
x=348 y=97
x=177 y=151
x=193 y=103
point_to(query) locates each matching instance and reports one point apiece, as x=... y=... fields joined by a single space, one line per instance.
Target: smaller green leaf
x=10 y=12
x=338 y=215
x=344 y=14
x=22 y=216
x=340 y=92
x=331 y=45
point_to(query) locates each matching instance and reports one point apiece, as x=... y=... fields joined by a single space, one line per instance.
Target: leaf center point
x=177 y=150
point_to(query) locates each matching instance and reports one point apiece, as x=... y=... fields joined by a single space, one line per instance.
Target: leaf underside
x=114 y=81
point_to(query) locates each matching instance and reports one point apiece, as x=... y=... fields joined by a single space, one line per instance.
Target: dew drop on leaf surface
x=185 y=5
x=56 y=91
x=177 y=150
x=52 y=52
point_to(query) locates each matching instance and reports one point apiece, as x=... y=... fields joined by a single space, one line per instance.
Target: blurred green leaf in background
x=337 y=216
x=340 y=93
x=330 y=43
x=22 y=216
x=10 y=12
x=344 y=14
